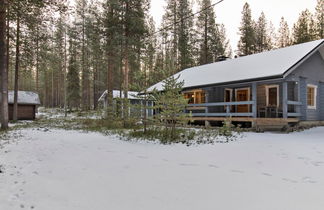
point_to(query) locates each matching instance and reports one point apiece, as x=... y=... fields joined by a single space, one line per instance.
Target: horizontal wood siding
x=261 y=98
x=25 y=112
x=310 y=72
x=321 y=93
x=215 y=94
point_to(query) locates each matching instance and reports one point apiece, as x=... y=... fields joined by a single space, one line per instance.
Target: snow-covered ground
x=71 y=170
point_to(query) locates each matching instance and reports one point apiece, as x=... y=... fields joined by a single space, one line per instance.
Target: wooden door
x=242 y=95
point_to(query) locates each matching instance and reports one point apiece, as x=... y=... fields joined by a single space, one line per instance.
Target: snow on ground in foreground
x=71 y=170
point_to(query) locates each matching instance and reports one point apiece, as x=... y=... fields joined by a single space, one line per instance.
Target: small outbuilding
x=27 y=105
x=137 y=103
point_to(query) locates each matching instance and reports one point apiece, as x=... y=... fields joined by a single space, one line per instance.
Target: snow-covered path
x=71 y=170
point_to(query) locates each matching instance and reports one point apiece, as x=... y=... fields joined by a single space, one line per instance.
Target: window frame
x=231 y=94
x=267 y=94
x=315 y=96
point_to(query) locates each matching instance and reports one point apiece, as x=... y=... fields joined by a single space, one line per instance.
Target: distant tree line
x=70 y=53
x=260 y=35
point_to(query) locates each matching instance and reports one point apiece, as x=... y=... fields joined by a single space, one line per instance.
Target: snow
x=266 y=64
x=24 y=97
x=72 y=170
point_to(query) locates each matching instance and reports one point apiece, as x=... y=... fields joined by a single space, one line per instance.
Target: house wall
x=310 y=72
x=321 y=101
x=214 y=95
x=25 y=112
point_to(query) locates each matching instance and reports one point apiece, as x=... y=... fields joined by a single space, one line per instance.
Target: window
x=228 y=95
x=272 y=95
x=195 y=97
x=311 y=96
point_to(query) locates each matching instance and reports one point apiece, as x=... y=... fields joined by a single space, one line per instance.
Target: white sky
x=229 y=12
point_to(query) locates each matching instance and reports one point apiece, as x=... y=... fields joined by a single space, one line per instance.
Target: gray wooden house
x=276 y=87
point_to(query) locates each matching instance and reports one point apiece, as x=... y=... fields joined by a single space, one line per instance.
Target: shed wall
x=25 y=112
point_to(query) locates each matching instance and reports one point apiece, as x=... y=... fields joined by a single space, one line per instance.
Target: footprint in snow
x=307 y=179
x=237 y=171
x=289 y=180
x=212 y=166
x=188 y=164
x=266 y=174
x=142 y=157
x=318 y=163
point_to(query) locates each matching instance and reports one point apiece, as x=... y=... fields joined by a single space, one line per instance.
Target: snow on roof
x=116 y=94
x=24 y=97
x=261 y=65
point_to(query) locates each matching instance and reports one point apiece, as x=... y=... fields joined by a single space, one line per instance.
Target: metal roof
x=270 y=64
x=24 y=97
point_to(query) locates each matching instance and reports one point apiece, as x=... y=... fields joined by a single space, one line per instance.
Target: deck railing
x=228 y=112
x=297 y=104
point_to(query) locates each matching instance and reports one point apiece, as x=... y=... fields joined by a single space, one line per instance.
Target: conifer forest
x=70 y=52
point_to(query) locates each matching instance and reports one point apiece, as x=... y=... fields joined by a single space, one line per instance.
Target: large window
x=311 y=96
x=195 y=97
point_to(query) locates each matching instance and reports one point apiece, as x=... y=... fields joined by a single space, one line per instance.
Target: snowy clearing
x=72 y=170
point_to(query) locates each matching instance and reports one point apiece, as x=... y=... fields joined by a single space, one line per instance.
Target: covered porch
x=272 y=102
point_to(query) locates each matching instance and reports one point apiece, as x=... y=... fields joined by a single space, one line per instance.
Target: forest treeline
x=70 y=52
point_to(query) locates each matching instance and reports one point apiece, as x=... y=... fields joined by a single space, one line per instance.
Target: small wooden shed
x=27 y=105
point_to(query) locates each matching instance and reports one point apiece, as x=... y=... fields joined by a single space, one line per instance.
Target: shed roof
x=273 y=63
x=116 y=94
x=24 y=97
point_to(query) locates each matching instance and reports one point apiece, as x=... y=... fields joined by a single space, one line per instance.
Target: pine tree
x=304 y=30
x=73 y=79
x=3 y=66
x=320 y=18
x=112 y=37
x=207 y=34
x=247 y=43
x=94 y=25
x=82 y=17
x=185 y=35
x=284 y=38
x=262 y=37
x=179 y=34
x=171 y=104
x=133 y=25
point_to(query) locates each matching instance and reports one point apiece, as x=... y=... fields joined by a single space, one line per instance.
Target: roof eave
x=298 y=63
x=280 y=76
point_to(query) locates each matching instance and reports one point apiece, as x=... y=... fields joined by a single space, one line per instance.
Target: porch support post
x=285 y=99
x=303 y=97
x=254 y=99
x=298 y=95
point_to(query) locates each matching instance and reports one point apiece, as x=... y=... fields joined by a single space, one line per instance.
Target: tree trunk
x=15 y=108
x=37 y=58
x=65 y=75
x=110 y=85
x=126 y=70
x=3 y=65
